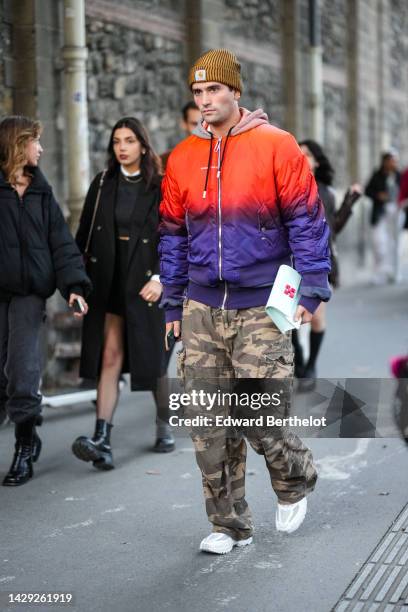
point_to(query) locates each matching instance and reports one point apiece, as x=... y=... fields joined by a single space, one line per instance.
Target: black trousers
x=21 y=319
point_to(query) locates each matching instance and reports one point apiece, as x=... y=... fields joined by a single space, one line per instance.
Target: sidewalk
x=128 y=540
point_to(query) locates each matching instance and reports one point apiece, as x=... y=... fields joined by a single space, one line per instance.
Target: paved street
x=127 y=540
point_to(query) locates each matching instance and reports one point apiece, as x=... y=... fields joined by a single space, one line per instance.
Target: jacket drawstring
x=208 y=168
x=210 y=158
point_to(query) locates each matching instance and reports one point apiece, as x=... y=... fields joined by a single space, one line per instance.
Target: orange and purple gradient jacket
x=233 y=211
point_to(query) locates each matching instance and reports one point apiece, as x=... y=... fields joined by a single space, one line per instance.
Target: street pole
x=316 y=72
x=74 y=54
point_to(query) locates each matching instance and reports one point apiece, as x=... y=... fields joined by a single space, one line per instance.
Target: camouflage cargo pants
x=240 y=344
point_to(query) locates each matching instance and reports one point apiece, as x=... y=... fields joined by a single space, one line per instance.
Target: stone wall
x=258 y=20
x=133 y=72
x=6 y=97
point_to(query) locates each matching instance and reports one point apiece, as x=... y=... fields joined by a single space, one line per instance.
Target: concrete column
x=383 y=74
x=291 y=63
x=74 y=54
x=316 y=72
x=204 y=20
x=353 y=91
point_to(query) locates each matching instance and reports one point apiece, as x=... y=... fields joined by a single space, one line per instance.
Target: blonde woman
x=37 y=255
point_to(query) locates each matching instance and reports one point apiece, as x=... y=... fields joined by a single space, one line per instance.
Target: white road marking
x=340 y=467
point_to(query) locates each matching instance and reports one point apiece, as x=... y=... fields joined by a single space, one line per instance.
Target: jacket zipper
x=22 y=242
x=218 y=149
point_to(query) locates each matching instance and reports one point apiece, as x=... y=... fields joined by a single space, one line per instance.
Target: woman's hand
x=72 y=300
x=152 y=291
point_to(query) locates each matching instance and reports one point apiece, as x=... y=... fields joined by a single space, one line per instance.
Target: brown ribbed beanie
x=219 y=65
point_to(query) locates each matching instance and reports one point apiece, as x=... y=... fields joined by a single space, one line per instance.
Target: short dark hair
x=189 y=106
x=386 y=155
x=324 y=172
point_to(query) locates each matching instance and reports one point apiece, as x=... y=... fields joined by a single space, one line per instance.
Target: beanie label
x=200 y=75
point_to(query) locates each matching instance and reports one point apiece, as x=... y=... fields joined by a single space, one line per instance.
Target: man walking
x=238 y=202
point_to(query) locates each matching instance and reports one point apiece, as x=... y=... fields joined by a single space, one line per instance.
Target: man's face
x=193 y=117
x=216 y=102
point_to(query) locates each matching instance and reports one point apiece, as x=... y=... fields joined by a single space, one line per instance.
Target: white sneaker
x=289 y=517
x=221 y=543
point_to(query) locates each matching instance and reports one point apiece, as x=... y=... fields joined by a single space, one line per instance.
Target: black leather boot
x=21 y=468
x=96 y=449
x=37 y=444
x=164 y=445
x=299 y=360
x=164 y=437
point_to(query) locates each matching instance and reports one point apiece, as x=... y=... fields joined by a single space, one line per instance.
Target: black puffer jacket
x=37 y=252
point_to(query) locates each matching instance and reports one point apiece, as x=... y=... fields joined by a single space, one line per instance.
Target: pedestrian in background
x=37 y=255
x=190 y=116
x=124 y=330
x=387 y=219
x=324 y=173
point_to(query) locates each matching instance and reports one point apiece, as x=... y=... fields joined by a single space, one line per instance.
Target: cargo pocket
x=279 y=364
x=181 y=360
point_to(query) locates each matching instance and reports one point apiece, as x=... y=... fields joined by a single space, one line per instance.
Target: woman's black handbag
x=86 y=254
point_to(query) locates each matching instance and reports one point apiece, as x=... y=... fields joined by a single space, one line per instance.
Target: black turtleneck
x=126 y=198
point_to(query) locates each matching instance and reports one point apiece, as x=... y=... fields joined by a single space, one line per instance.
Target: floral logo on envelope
x=200 y=75
x=290 y=291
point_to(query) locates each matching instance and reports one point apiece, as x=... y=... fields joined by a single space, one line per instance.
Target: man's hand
x=175 y=327
x=71 y=303
x=303 y=315
x=151 y=291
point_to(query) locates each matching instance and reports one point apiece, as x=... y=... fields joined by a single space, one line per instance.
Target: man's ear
x=237 y=94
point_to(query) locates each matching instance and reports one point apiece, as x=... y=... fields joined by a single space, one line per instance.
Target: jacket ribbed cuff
x=173 y=314
x=311 y=304
x=316 y=285
x=78 y=289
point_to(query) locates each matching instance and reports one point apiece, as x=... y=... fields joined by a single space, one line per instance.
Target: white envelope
x=284 y=299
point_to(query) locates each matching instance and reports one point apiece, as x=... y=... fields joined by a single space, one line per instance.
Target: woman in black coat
x=37 y=255
x=124 y=329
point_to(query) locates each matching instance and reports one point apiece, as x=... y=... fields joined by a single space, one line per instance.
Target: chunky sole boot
x=308 y=381
x=85 y=449
x=164 y=445
x=21 y=469
x=96 y=449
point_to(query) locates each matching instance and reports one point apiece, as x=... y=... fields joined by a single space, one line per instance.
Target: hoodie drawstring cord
x=208 y=168
x=210 y=158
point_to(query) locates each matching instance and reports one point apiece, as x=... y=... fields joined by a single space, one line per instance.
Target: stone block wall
x=6 y=95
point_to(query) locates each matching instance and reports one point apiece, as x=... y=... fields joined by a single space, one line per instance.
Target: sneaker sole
x=227 y=548
x=296 y=525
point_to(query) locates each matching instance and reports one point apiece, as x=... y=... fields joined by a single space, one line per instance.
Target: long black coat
x=144 y=321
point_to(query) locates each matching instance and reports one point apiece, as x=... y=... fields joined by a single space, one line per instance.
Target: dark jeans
x=20 y=356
